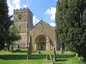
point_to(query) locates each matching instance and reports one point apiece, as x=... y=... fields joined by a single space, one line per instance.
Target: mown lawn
x=20 y=57
x=39 y=61
x=69 y=58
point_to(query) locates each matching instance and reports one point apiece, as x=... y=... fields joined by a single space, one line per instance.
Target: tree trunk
x=29 y=49
x=82 y=51
x=12 y=47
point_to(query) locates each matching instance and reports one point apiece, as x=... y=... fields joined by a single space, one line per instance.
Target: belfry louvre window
x=19 y=27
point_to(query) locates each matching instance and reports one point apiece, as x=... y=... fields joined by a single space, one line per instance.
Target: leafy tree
x=4 y=23
x=13 y=35
x=71 y=24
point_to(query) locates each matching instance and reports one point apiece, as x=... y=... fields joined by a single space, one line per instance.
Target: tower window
x=19 y=27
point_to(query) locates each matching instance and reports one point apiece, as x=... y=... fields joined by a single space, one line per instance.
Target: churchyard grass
x=20 y=57
x=68 y=58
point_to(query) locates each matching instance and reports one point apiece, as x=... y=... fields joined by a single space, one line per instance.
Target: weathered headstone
x=54 y=54
x=48 y=57
x=51 y=58
x=76 y=55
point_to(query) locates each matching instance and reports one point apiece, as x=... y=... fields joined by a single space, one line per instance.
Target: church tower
x=23 y=22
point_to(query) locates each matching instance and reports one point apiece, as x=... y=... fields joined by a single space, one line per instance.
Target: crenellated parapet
x=22 y=10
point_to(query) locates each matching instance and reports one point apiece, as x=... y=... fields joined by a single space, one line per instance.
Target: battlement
x=22 y=10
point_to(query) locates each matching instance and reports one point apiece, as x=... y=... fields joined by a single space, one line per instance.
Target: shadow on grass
x=61 y=59
x=65 y=56
x=21 y=57
x=12 y=57
x=19 y=50
x=39 y=56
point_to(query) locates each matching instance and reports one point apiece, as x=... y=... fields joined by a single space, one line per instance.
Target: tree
x=71 y=24
x=13 y=35
x=4 y=23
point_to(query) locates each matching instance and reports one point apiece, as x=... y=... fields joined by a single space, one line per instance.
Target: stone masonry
x=42 y=34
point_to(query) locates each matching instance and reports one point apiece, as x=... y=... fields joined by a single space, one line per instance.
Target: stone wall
x=43 y=28
x=23 y=22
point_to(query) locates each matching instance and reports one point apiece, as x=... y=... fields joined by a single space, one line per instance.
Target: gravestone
x=54 y=54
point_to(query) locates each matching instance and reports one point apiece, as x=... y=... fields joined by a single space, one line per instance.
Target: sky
x=41 y=9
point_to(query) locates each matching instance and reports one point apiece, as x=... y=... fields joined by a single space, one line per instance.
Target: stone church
x=41 y=36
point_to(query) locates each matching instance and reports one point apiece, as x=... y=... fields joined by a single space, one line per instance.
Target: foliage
x=71 y=24
x=4 y=22
x=13 y=35
x=7 y=34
